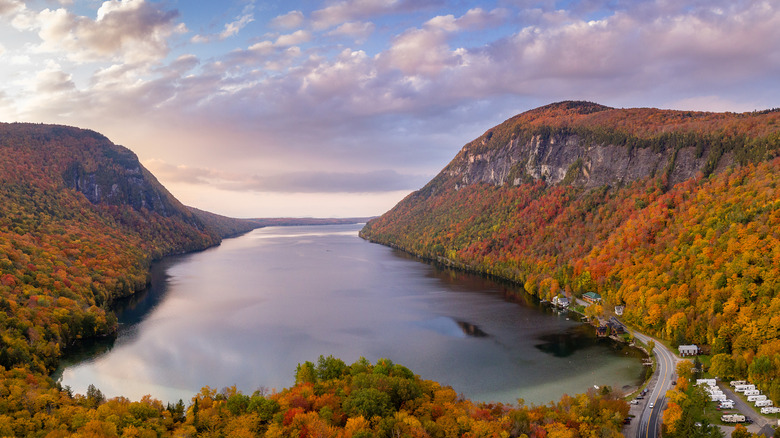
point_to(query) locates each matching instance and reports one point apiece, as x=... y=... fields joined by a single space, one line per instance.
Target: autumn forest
x=693 y=261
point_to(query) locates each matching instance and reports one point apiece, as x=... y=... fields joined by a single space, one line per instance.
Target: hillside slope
x=80 y=222
x=683 y=229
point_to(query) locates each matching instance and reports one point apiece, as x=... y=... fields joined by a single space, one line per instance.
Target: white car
x=650 y=405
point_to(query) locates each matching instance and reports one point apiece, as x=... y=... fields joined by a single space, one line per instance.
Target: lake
x=247 y=312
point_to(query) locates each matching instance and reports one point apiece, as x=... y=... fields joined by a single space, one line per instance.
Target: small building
x=591 y=297
x=601 y=331
x=688 y=350
x=619 y=310
x=616 y=328
x=560 y=301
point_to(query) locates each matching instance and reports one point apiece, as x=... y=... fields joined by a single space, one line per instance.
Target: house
x=560 y=301
x=619 y=310
x=616 y=327
x=601 y=331
x=688 y=350
x=591 y=297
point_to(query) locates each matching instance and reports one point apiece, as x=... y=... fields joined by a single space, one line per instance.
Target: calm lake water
x=247 y=312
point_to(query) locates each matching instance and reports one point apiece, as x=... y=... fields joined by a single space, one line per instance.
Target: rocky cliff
x=570 y=158
x=590 y=145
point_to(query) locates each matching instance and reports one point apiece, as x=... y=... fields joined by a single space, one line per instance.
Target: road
x=743 y=407
x=666 y=365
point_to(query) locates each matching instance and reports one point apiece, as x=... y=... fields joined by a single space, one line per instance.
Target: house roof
x=592 y=295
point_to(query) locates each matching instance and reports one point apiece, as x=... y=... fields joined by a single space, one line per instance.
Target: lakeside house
x=615 y=326
x=688 y=350
x=560 y=301
x=591 y=297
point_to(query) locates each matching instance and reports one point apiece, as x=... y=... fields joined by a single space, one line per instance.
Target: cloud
x=53 y=80
x=355 y=29
x=426 y=52
x=129 y=30
x=422 y=52
x=21 y=60
x=473 y=19
x=179 y=173
x=290 y=20
x=8 y=7
x=329 y=182
x=292 y=182
x=293 y=39
x=232 y=28
x=352 y=10
x=273 y=55
x=712 y=103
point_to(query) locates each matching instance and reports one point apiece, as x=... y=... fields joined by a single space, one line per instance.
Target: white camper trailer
x=733 y=418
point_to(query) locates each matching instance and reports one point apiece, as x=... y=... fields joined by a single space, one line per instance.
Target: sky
x=340 y=108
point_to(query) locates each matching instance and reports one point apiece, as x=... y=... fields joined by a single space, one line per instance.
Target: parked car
x=650 y=405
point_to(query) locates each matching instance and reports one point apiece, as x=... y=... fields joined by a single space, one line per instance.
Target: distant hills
x=674 y=214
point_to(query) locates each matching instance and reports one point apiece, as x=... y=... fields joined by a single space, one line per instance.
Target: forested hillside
x=329 y=399
x=693 y=262
x=80 y=222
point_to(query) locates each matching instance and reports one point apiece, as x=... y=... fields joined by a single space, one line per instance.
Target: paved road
x=666 y=364
x=743 y=407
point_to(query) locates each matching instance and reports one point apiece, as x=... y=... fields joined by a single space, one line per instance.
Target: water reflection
x=247 y=312
x=471 y=329
x=569 y=342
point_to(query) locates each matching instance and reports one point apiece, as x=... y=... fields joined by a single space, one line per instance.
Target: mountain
x=673 y=214
x=589 y=145
x=225 y=226
x=229 y=227
x=80 y=221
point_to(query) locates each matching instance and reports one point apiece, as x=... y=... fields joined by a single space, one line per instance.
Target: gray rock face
x=123 y=181
x=568 y=159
